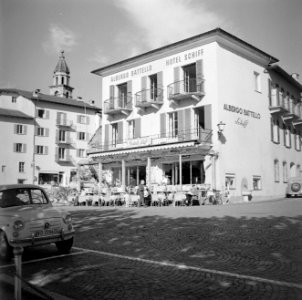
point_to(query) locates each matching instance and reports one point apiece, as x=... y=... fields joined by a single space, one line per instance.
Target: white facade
x=159 y=107
x=55 y=135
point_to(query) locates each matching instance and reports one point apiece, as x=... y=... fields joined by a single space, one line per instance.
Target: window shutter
x=78 y=118
x=24 y=148
x=137 y=128
x=64 y=118
x=46 y=131
x=46 y=150
x=25 y=129
x=162 y=125
x=199 y=75
x=144 y=88
x=270 y=92
x=47 y=114
x=160 y=85
x=36 y=149
x=15 y=128
x=87 y=120
x=57 y=135
x=111 y=91
x=87 y=136
x=129 y=94
x=176 y=80
x=181 y=123
x=106 y=141
x=15 y=147
x=120 y=132
x=187 y=124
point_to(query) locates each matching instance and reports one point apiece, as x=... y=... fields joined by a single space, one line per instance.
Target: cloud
x=58 y=39
x=164 y=21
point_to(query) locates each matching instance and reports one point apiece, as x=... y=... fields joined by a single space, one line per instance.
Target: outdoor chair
x=179 y=199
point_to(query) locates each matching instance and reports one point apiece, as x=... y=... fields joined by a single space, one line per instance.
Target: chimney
x=295 y=76
x=36 y=93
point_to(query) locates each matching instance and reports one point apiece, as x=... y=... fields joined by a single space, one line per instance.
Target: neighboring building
x=161 y=110
x=43 y=137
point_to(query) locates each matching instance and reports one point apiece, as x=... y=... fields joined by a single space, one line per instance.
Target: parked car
x=27 y=218
x=294 y=187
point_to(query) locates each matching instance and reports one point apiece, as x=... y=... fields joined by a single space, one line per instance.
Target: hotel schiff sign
x=176 y=59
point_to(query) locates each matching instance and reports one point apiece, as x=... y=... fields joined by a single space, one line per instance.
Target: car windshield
x=21 y=196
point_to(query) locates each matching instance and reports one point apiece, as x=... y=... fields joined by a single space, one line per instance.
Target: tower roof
x=62 y=65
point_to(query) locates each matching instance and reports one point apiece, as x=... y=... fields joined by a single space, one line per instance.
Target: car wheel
x=64 y=246
x=6 y=251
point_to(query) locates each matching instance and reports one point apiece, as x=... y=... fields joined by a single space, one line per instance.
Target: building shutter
x=106 y=140
x=162 y=125
x=46 y=150
x=15 y=128
x=36 y=149
x=187 y=125
x=129 y=94
x=87 y=120
x=111 y=91
x=176 y=80
x=181 y=123
x=144 y=89
x=199 y=75
x=270 y=92
x=137 y=128
x=208 y=116
x=120 y=132
x=24 y=148
x=46 y=132
x=160 y=85
x=78 y=118
x=47 y=114
x=25 y=129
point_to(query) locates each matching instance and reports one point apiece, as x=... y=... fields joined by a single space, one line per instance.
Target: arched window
x=62 y=80
x=292 y=170
x=276 y=170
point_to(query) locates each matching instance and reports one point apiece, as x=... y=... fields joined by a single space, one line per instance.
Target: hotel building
x=160 y=112
x=43 y=137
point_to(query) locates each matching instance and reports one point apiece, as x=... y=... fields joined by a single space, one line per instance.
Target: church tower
x=61 y=78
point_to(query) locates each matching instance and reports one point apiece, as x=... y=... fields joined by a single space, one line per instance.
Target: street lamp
x=220 y=126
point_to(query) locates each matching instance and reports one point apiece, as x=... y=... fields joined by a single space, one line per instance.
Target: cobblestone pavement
x=242 y=251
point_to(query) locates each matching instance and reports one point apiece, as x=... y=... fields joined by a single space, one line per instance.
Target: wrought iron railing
x=186 y=87
x=118 y=103
x=200 y=136
x=148 y=97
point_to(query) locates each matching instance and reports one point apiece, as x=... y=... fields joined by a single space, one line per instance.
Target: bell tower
x=61 y=78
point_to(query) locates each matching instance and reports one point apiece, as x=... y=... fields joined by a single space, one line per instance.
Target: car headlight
x=67 y=219
x=18 y=225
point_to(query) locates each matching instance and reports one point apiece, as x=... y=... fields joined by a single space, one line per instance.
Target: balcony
x=149 y=98
x=198 y=136
x=65 y=123
x=297 y=114
x=66 y=159
x=186 y=89
x=66 y=141
x=279 y=105
x=118 y=105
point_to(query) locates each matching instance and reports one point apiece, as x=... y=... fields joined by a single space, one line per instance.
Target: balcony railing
x=192 y=88
x=63 y=122
x=118 y=105
x=199 y=136
x=149 y=98
x=64 y=159
x=66 y=141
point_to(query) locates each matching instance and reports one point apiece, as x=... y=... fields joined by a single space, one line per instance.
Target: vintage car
x=27 y=218
x=294 y=187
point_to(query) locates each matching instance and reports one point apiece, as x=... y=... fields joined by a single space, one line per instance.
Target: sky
x=96 y=33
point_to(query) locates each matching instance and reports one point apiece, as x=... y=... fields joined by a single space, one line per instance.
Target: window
x=287 y=136
x=42 y=113
x=3 y=168
x=81 y=152
x=257 y=82
x=153 y=86
x=21 y=166
x=257 y=183
x=275 y=131
x=82 y=119
x=173 y=124
x=131 y=129
x=20 y=129
x=189 y=78
x=62 y=135
x=276 y=170
x=122 y=95
x=61 y=153
x=230 y=181
x=285 y=176
x=297 y=138
x=14 y=99
x=19 y=147
x=82 y=136
x=41 y=149
x=114 y=136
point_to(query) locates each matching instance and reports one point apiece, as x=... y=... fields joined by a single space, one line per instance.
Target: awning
x=142 y=149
